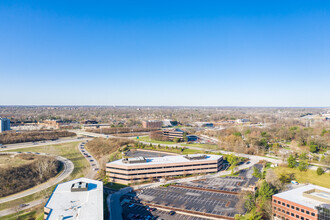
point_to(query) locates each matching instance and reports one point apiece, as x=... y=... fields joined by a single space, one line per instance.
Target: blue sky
x=198 y=53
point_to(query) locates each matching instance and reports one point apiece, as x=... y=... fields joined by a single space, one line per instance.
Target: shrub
x=319 y=171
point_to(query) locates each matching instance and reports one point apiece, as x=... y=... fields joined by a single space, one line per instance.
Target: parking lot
x=232 y=184
x=215 y=203
x=140 y=212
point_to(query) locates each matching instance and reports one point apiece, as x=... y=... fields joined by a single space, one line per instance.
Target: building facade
x=152 y=124
x=4 y=124
x=305 y=203
x=76 y=199
x=139 y=169
x=170 y=134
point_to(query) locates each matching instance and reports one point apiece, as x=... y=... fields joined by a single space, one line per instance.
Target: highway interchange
x=115 y=210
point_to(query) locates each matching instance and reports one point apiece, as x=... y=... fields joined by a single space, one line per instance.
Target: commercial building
x=169 y=123
x=204 y=124
x=191 y=138
x=308 y=202
x=170 y=134
x=152 y=124
x=4 y=124
x=77 y=199
x=140 y=169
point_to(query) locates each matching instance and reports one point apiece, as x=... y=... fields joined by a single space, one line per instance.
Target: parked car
x=171 y=213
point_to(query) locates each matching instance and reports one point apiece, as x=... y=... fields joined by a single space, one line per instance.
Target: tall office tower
x=4 y=124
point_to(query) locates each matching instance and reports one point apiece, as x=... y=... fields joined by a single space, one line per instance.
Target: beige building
x=139 y=169
x=152 y=124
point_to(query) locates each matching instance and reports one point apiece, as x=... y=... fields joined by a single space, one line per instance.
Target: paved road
x=91 y=160
x=41 y=143
x=67 y=170
x=113 y=203
x=16 y=209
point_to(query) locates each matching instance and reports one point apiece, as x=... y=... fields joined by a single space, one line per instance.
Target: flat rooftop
x=84 y=205
x=301 y=196
x=167 y=160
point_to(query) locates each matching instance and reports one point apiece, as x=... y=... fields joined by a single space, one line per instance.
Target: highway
x=41 y=143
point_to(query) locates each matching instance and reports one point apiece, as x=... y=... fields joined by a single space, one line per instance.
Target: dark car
x=171 y=213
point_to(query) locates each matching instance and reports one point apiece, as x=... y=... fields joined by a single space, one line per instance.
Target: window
x=292 y=207
x=297 y=216
x=283 y=203
x=274 y=208
x=279 y=202
x=302 y=218
x=307 y=212
x=287 y=205
x=292 y=214
x=313 y=214
x=297 y=208
x=288 y=213
x=283 y=211
x=302 y=210
x=275 y=200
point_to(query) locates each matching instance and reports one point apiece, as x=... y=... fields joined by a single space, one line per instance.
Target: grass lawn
x=206 y=146
x=37 y=214
x=309 y=176
x=115 y=186
x=147 y=139
x=67 y=150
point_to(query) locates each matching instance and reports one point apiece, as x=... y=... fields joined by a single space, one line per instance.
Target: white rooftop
x=82 y=205
x=166 y=160
x=296 y=195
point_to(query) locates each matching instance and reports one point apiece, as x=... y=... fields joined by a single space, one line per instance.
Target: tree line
x=12 y=137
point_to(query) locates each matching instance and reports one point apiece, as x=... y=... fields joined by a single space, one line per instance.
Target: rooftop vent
x=79 y=186
x=134 y=160
x=195 y=156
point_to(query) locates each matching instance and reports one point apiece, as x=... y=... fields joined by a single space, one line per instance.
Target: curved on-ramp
x=67 y=170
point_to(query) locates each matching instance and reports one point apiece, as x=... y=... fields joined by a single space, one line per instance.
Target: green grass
x=206 y=146
x=115 y=186
x=147 y=139
x=37 y=214
x=308 y=176
x=67 y=150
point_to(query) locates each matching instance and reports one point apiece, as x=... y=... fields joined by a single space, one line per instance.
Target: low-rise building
x=140 y=169
x=76 y=199
x=308 y=202
x=152 y=124
x=172 y=133
x=169 y=123
x=4 y=124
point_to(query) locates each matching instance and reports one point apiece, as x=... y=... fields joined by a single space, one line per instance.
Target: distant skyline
x=165 y=53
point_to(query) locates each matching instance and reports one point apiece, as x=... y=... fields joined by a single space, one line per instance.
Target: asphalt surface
x=67 y=170
x=41 y=143
x=95 y=167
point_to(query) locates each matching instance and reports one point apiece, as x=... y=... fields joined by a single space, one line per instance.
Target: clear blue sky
x=200 y=53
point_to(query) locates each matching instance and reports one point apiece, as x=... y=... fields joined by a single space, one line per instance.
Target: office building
x=170 y=134
x=4 y=124
x=308 y=202
x=152 y=124
x=76 y=199
x=140 y=169
x=169 y=123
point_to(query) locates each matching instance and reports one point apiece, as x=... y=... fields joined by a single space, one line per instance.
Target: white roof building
x=308 y=196
x=165 y=160
x=76 y=199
